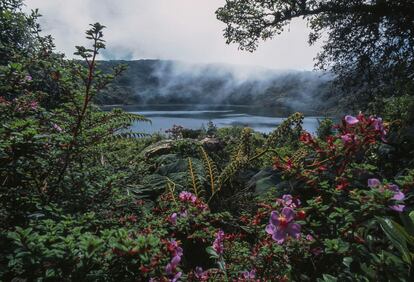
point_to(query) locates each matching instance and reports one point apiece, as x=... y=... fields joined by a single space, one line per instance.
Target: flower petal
x=175 y=260
x=287 y=199
x=373 y=182
x=397 y=208
x=274 y=218
x=351 y=120
x=279 y=236
x=294 y=230
x=288 y=213
x=399 y=196
x=393 y=187
x=270 y=229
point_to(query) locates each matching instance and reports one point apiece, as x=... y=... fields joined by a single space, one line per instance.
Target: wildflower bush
x=83 y=199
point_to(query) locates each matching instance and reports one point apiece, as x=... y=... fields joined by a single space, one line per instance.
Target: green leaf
x=212 y=252
x=397 y=238
x=328 y=278
x=408 y=222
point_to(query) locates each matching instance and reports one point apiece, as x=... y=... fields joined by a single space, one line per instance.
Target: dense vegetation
x=367 y=44
x=84 y=199
x=170 y=82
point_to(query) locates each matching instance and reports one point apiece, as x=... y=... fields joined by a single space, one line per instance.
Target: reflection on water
x=260 y=119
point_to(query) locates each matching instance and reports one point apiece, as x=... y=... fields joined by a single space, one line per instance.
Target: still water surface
x=262 y=119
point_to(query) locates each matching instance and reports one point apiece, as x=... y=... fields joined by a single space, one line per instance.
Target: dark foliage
x=369 y=44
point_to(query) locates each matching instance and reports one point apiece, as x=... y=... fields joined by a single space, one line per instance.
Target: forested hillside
x=164 y=82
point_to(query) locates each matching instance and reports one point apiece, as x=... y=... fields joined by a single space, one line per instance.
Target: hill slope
x=170 y=82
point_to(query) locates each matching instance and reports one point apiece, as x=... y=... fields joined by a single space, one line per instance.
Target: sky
x=183 y=30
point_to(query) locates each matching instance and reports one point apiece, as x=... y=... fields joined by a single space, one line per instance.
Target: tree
x=369 y=46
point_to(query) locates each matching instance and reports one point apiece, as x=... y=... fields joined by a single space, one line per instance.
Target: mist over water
x=177 y=93
x=164 y=117
x=172 y=82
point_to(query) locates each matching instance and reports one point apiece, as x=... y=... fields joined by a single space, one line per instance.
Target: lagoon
x=260 y=119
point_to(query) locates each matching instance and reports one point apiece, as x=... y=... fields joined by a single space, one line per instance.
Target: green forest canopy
x=369 y=45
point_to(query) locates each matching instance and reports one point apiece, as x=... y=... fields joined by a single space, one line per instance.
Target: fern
x=194 y=180
x=131 y=134
x=171 y=189
x=211 y=171
x=292 y=125
x=298 y=156
x=245 y=145
x=117 y=121
x=242 y=156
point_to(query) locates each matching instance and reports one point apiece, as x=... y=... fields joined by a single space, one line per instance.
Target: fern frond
x=299 y=155
x=171 y=189
x=232 y=168
x=194 y=180
x=211 y=170
x=245 y=144
x=134 y=117
x=124 y=135
x=292 y=125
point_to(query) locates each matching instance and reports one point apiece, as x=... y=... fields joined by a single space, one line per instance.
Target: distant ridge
x=173 y=82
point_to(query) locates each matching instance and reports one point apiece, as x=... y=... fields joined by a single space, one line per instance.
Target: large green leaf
x=398 y=238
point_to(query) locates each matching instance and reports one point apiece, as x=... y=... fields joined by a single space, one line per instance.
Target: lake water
x=164 y=117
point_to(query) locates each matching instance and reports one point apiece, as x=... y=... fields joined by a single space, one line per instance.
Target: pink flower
x=397 y=196
x=350 y=120
x=347 y=138
x=173 y=219
x=373 y=182
x=218 y=245
x=281 y=225
x=200 y=274
x=33 y=105
x=172 y=265
x=249 y=274
x=187 y=197
x=310 y=238
x=288 y=201
x=28 y=78
x=379 y=126
x=176 y=277
x=57 y=127
x=397 y=208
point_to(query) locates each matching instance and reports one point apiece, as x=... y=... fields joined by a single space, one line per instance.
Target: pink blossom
x=347 y=138
x=379 y=126
x=350 y=120
x=281 y=225
x=177 y=253
x=200 y=274
x=34 y=105
x=397 y=196
x=176 y=277
x=373 y=182
x=187 y=197
x=397 y=208
x=218 y=245
x=288 y=201
x=310 y=238
x=173 y=218
x=249 y=274
x=57 y=127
